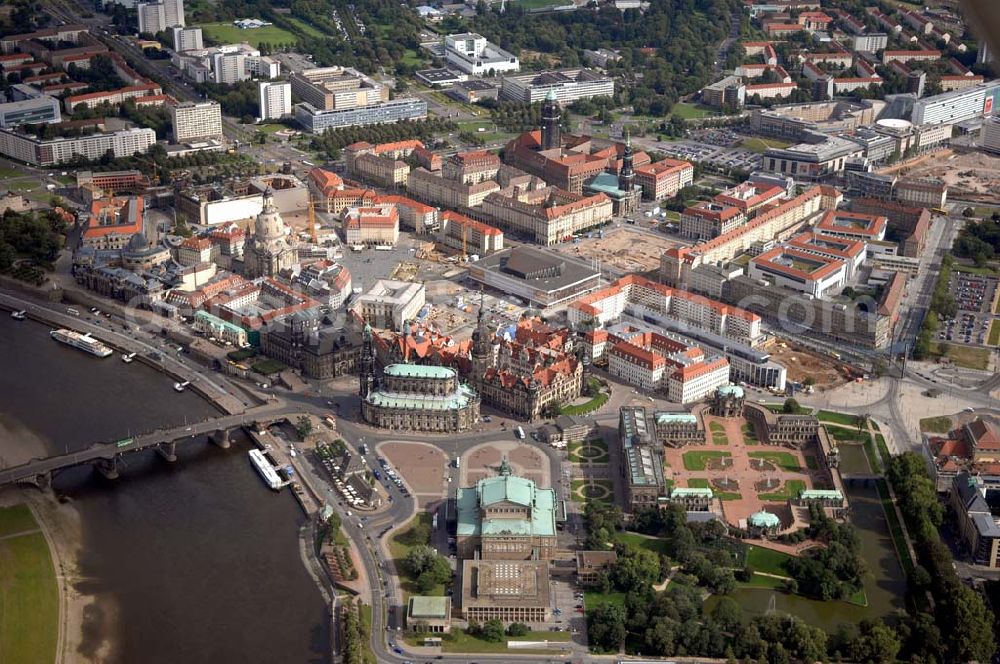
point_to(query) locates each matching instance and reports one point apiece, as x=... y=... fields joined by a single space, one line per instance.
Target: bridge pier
x=167 y=450
x=221 y=438
x=107 y=467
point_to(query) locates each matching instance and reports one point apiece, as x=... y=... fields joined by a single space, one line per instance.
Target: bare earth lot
x=973 y=174
x=802 y=364
x=625 y=249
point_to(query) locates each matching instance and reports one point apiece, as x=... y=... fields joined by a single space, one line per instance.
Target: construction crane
x=312 y=221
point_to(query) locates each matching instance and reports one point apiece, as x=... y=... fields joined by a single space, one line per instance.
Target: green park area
x=703 y=483
x=589 y=451
x=462 y=641
x=598 y=399
x=687 y=111
x=304 y=28
x=968 y=357
x=29 y=596
x=994 y=338
x=940 y=424
x=227 y=33
x=543 y=4
x=718 y=433
x=592 y=490
x=416 y=535
x=698 y=460
x=749 y=436
x=767 y=561
x=783 y=460
x=789 y=489
x=761 y=144
x=846 y=419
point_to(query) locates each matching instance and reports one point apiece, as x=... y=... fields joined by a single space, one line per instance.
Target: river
x=193 y=562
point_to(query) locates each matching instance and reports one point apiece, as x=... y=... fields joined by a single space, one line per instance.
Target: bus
x=384 y=247
x=520 y=432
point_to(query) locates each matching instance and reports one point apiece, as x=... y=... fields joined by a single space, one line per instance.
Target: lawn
x=874 y=462
x=966 y=356
x=985 y=271
x=848 y=434
x=542 y=4
x=592 y=600
x=16 y=519
x=698 y=460
x=811 y=462
x=760 y=144
x=697 y=483
x=271 y=128
x=268 y=367
x=790 y=489
x=598 y=452
x=749 y=437
x=584 y=408
x=655 y=544
x=227 y=33
x=761 y=581
x=767 y=561
x=784 y=460
x=29 y=596
x=994 y=338
x=365 y=612
x=398 y=550
x=7 y=173
x=603 y=491
x=305 y=28
x=687 y=111
x=718 y=434
x=941 y=424
x=895 y=528
x=883 y=449
x=837 y=418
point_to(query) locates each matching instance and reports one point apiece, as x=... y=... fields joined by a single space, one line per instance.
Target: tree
x=492 y=630
x=437 y=573
x=636 y=569
x=606 y=626
x=418 y=533
x=809 y=381
x=727 y=613
x=791 y=406
x=419 y=559
x=517 y=629
x=303 y=427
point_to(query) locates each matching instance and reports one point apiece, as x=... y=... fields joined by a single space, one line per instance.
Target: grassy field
x=541 y=4
x=598 y=452
x=304 y=27
x=790 y=489
x=985 y=271
x=16 y=519
x=365 y=611
x=784 y=460
x=895 y=528
x=271 y=128
x=584 y=408
x=760 y=144
x=29 y=596
x=767 y=560
x=941 y=424
x=458 y=641
x=844 y=434
x=994 y=338
x=811 y=462
x=603 y=491
x=398 y=550
x=965 y=356
x=654 y=544
x=227 y=33
x=687 y=111
x=592 y=599
x=749 y=437
x=718 y=434
x=837 y=418
x=698 y=460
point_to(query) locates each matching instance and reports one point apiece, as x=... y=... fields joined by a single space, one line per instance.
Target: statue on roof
x=505 y=470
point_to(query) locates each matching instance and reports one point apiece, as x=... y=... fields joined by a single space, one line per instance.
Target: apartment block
x=275 y=100
x=664 y=178
x=196 y=120
x=367 y=226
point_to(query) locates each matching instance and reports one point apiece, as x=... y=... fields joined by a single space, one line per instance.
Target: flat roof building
x=509 y=591
x=567 y=84
x=473 y=54
x=196 y=120
x=535 y=275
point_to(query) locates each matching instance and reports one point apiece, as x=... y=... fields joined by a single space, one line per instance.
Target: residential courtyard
x=745 y=475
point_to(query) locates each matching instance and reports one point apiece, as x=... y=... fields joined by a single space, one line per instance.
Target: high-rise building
x=152 y=17
x=158 y=16
x=196 y=120
x=230 y=68
x=991 y=134
x=187 y=39
x=275 y=99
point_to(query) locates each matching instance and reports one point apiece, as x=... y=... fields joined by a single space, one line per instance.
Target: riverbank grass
x=29 y=595
x=940 y=424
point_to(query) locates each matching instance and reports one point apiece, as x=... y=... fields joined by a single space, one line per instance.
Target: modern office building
x=193 y=121
x=958 y=105
x=473 y=54
x=509 y=591
x=809 y=161
x=275 y=100
x=396 y=110
x=35 y=110
x=568 y=85
x=48 y=152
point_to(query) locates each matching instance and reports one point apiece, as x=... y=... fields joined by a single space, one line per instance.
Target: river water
x=192 y=562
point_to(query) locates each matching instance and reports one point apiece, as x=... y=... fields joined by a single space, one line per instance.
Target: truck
x=519 y=432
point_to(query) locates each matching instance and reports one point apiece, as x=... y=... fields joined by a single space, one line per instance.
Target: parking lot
x=727 y=157
x=974 y=296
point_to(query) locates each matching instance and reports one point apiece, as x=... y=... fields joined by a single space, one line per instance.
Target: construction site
x=823 y=373
x=623 y=250
x=970 y=174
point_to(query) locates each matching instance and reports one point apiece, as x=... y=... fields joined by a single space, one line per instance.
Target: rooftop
x=418 y=371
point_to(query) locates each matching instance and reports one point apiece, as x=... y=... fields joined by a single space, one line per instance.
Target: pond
x=853 y=459
x=884 y=590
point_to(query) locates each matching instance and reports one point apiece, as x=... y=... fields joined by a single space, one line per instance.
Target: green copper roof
x=518 y=490
x=428 y=607
x=694 y=492
x=764 y=519
x=664 y=417
x=816 y=494
x=418 y=371
x=458 y=399
x=506 y=487
x=735 y=390
x=552 y=95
